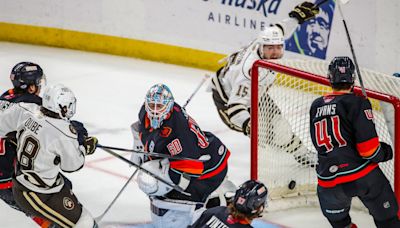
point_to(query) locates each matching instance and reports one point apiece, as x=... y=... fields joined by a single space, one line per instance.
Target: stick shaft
x=100 y=217
x=197 y=89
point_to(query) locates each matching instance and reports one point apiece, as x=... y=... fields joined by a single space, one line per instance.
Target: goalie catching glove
x=303 y=12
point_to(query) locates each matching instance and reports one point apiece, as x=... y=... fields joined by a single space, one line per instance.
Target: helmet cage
x=158 y=104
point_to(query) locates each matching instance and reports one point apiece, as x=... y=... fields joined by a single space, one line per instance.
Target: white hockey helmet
x=150 y=185
x=61 y=100
x=270 y=36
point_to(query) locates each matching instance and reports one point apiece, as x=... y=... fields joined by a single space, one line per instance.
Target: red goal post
x=293 y=80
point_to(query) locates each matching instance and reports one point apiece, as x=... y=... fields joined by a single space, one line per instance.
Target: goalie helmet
x=250 y=197
x=61 y=100
x=270 y=36
x=158 y=104
x=25 y=74
x=341 y=71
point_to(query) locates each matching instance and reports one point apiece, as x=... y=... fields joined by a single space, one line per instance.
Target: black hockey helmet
x=250 y=196
x=26 y=73
x=341 y=71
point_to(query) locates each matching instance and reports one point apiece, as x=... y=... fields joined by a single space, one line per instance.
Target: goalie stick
x=172 y=185
x=153 y=154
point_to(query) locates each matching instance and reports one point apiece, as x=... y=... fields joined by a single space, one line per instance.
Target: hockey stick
x=351 y=47
x=202 y=158
x=197 y=89
x=100 y=217
x=172 y=185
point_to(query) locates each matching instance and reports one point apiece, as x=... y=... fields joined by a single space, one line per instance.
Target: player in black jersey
x=343 y=132
x=248 y=204
x=165 y=127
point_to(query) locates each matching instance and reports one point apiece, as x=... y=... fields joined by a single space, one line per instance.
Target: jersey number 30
x=322 y=136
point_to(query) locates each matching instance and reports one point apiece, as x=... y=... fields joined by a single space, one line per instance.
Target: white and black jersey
x=231 y=85
x=45 y=146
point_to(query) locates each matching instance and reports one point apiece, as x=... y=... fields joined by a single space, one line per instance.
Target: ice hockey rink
x=110 y=91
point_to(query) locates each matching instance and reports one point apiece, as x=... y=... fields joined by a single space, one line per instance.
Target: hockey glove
x=303 y=12
x=382 y=154
x=246 y=127
x=90 y=145
x=80 y=131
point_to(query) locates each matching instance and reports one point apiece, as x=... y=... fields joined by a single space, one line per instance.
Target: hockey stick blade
x=153 y=154
x=172 y=185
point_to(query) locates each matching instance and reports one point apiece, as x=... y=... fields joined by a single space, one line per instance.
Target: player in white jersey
x=231 y=84
x=48 y=142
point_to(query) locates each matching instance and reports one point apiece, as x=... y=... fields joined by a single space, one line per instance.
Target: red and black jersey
x=343 y=132
x=219 y=217
x=180 y=135
x=8 y=146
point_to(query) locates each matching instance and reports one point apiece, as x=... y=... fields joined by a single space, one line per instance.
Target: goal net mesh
x=283 y=156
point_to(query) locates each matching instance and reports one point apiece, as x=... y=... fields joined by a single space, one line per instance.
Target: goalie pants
x=200 y=189
x=375 y=192
x=62 y=207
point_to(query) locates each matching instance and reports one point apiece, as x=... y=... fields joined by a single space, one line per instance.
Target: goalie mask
x=25 y=74
x=150 y=185
x=341 y=71
x=61 y=100
x=250 y=198
x=158 y=104
x=271 y=43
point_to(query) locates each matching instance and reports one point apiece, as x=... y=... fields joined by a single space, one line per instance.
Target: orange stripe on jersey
x=191 y=167
x=347 y=178
x=367 y=148
x=220 y=168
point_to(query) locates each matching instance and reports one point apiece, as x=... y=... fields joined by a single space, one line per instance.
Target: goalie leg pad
x=173 y=213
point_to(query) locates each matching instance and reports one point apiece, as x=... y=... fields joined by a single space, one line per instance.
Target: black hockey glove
x=303 y=12
x=80 y=131
x=385 y=153
x=246 y=127
x=90 y=144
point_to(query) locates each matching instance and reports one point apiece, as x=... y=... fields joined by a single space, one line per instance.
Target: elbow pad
x=382 y=154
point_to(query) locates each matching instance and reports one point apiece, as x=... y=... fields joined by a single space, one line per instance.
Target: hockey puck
x=292 y=184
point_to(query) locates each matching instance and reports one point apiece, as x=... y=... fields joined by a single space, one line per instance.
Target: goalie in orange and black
x=165 y=127
x=343 y=132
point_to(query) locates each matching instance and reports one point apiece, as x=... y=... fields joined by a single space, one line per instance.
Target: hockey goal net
x=282 y=153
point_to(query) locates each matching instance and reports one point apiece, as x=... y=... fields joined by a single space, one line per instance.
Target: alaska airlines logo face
x=312 y=37
x=259 y=7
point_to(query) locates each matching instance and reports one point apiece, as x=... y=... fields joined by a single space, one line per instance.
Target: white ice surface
x=110 y=91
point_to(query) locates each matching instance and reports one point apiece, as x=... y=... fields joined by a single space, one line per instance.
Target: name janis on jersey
x=214 y=222
x=326 y=110
x=32 y=125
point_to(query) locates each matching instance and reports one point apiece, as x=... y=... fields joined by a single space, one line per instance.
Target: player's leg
x=7 y=196
x=283 y=137
x=377 y=195
x=62 y=208
x=335 y=206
